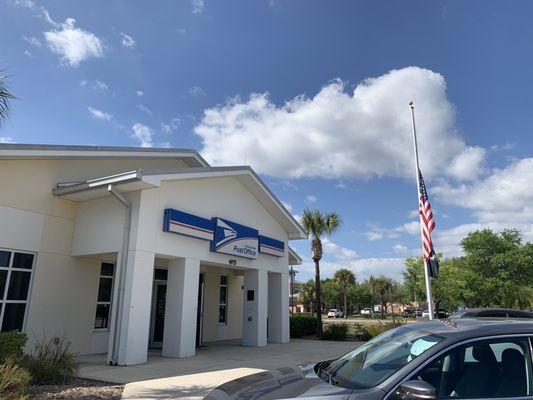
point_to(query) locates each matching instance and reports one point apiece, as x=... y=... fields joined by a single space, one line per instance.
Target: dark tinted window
x=101 y=320
x=19 y=285
x=3 y=278
x=161 y=274
x=107 y=269
x=499 y=368
x=23 y=260
x=104 y=290
x=5 y=256
x=13 y=317
x=493 y=314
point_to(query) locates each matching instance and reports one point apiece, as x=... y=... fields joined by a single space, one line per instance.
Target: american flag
x=428 y=225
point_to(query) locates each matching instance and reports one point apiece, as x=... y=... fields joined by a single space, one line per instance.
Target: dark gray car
x=459 y=359
x=491 y=313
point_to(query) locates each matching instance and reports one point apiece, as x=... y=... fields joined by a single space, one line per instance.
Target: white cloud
x=399 y=248
x=6 y=139
x=139 y=93
x=171 y=126
x=196 y=91
x=198 y=6
x=100 y=85
x=33 y=41
x=127 y=41
x=27 y=54
x=338 y=252
x=99 y=114
x=145 y=109
x=74 y=45
x=83 y=83
x=503 y=147
x=40 y=11
x=363 y=268
x=341 y=185
x=143 y=134
x=506 y=196
x=310 y=199
x=337 y=134
x=373 y=236
x=468 y=165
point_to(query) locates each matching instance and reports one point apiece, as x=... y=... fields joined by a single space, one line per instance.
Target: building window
x=105 y=294
x=223 y=301
x=15 y=280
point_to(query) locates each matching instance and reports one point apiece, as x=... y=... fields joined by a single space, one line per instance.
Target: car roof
x=473 y=327
x=491 y=309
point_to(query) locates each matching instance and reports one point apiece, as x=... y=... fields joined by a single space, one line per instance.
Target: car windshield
x=373 y=362
x=458 y=314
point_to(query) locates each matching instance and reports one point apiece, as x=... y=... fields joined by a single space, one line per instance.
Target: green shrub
x=302 y=325
x=51 y=362
x=335 y=332
x=12 y=345
x=14 y=380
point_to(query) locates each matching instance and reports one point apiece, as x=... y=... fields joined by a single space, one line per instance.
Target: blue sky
x=312 y=94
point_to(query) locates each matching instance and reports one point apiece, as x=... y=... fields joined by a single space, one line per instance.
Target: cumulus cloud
x=127 y=41
x=468 y=165
x=310 y=199
x=139 y=93
x=338 y=252
x=197 y=6
x=6 y=139
x=99 y=114
x=338 y=134
x=505 y=196
x=72 y=44
x=378 y=233
x=171 y=126
x=143 y=134
x=399 y=248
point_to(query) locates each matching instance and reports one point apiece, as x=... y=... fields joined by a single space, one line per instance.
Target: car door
x=482 y=369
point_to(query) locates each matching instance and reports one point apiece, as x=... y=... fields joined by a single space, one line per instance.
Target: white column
x=179 y=335
x=278 y=308
x=254 y=324
x=135 y=326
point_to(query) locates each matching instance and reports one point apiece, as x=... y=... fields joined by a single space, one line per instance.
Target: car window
x=494 y=314
x=499 y=368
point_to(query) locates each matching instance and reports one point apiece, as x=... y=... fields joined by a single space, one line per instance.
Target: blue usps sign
x=274 y=247
x=235 y=239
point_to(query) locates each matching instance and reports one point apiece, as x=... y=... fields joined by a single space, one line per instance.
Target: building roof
x=47 y=151
x=143 y=179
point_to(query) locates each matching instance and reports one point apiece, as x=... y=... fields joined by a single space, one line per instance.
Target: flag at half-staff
x=428 y=225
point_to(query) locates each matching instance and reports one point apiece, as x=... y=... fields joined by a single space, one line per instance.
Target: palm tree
x=5 y=97
x=307 y=293
x=344 y=278
x=318 y=225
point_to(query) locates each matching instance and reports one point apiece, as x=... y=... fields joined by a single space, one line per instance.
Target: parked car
x=439 y=314
x=367 y=311
x=491 y=313
x=462 y=358
x=410 y=312
x=335 y=313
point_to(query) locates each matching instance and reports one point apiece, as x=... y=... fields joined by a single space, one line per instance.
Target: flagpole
x=417 y=165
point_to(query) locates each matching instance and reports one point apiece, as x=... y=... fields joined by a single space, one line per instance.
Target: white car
x=367 y=311
x=335 y=313
x=425 y=314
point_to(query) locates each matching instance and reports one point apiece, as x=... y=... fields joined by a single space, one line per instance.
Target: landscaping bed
x=84 y=389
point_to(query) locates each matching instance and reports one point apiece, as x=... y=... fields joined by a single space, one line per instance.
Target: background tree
x=381 y=286
x=360 y=295
x=317 y=225
x=344 y=278
x=330 y=293
x=5 y=97
x=307 y=294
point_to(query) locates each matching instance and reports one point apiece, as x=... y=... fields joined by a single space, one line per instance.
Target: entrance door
x=158 y=314
x=199 y=312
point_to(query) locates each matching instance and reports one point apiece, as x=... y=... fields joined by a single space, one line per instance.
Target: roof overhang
x=294 y=258
x=44 y=151
x=141 y=179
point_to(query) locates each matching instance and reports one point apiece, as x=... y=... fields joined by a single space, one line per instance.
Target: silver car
x=460 y=359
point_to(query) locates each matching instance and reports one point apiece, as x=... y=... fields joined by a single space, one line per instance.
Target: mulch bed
x=84 y=389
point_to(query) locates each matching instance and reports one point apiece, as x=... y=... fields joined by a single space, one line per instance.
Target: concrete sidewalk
x=193 y=378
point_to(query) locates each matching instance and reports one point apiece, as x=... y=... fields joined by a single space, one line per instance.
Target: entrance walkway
x=214 y=364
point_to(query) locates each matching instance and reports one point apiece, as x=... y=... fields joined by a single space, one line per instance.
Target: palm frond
x=5 y=97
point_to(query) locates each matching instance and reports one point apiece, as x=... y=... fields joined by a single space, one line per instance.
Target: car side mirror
x=416 y=390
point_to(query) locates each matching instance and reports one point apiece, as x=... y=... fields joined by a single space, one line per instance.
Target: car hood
x=282 y=383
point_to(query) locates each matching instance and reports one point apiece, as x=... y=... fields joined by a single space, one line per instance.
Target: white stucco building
x=125 y=249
